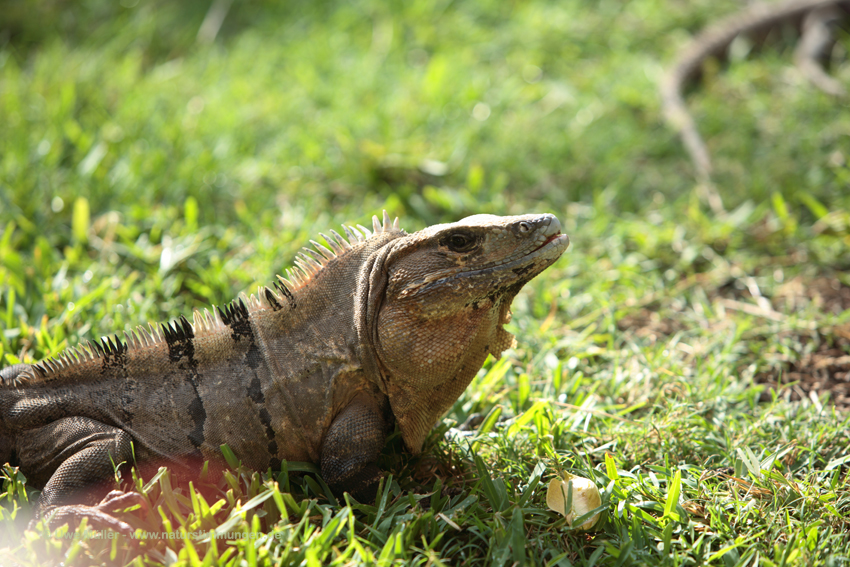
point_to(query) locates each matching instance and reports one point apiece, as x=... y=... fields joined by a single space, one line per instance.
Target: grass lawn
x=693 y=361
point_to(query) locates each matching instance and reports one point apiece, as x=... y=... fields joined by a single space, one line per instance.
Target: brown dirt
x=648 y=324
x=827 y=369
x=828 y=294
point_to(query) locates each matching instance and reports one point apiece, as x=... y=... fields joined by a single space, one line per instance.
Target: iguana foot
x=363 y=486
x=99 y=516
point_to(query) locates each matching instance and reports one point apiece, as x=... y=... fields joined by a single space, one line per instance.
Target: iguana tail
x=8 y=377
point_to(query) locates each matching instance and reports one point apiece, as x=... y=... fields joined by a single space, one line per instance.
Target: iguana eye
x=461 y=242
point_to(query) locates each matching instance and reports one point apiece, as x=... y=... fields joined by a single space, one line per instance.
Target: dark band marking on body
x=286 y=293
x=235 y=315
x=180 y=339
x=112 y=352
x=255 y=392
x=275 y=304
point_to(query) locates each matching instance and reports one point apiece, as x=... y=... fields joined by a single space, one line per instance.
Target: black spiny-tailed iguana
x=369 y=330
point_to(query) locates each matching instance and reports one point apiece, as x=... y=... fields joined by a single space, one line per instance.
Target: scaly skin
x=371 y=331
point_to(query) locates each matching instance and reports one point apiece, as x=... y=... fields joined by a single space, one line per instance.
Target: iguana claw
x=99 y=516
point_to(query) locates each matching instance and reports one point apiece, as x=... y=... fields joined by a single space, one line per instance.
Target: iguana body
x=388 y=328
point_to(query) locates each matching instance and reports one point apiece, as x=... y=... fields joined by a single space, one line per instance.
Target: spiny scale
x=307 y=265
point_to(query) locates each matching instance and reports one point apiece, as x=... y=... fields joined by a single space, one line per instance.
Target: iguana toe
x=100 y=516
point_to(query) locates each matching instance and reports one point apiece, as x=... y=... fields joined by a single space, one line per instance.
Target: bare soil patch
x=827 y=293
x=648 y=324
x=826 y=369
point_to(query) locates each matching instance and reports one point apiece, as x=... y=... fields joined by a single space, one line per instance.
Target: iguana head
x=437 y=303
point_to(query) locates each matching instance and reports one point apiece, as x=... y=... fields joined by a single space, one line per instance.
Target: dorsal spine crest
x=308 y=263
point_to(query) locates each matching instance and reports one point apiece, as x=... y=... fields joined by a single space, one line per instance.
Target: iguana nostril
x=524 y=227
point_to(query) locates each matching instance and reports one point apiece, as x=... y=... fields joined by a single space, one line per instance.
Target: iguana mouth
x=556 y=236
x=556 y=240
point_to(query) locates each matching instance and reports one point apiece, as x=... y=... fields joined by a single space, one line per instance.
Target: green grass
x=144 y=173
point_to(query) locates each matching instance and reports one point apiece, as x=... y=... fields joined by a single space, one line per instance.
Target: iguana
x=367 y=331
x=817 y=16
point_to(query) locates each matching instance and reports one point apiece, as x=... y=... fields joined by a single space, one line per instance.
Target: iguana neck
x=322 y=324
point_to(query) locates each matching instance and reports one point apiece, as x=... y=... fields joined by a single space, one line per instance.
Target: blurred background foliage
x=438 y=109
x=193 y=146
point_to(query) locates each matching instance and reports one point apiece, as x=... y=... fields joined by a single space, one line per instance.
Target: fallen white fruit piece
x=585 y=497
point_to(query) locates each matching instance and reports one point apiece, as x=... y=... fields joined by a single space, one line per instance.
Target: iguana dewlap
x=368 y=331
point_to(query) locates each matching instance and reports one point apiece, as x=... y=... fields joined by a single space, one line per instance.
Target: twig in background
x=714 y=40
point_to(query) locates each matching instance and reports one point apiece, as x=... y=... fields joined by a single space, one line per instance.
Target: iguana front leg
x=351 y=448
x=82 y=454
